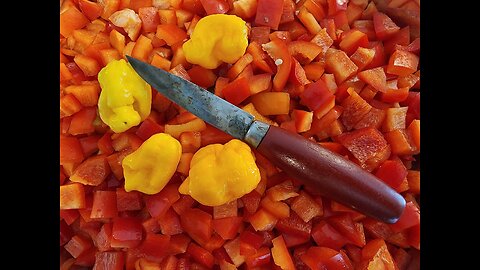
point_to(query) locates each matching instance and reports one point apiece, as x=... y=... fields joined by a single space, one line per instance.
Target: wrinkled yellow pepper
x=149 y=168
x=125 y=99
x=221 y=173
x=217 y=38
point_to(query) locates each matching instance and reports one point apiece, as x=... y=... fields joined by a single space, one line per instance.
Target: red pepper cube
x=201 y=255
x=376 y=252
x=260 y=258
x=306 y=207
x=102 y=239
x=78 y=245
x=384 y=26
x=326 y=258
x=127 y=232
x=409 y=218
x=158 y=204
x=351 y=40
x=294 y=225
x=269 y=13
x=227 y=227
x=72 y=196
x=338 y=63
x=92 y=171
x=104 y=204
x=392 y=172
x=402 y=63
x=280 y=254
x=109 y=260
x=326 y=235
x=262 y=220
x=197 y=224
x=278 y=51
x=70 y=150
x=237 y=91
x=170 y=223
x=355 y=109
x=353 y=231
x=154 y=247
x=303 y=120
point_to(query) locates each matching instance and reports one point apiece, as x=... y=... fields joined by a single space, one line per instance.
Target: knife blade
x=315 y=166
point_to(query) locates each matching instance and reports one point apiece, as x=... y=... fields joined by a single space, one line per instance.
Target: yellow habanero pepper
x=221 y=173
x=149 y=168
x=216 y=38
x=125 y=99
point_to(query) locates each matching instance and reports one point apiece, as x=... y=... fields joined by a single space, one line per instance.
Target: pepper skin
x=149 y=168
x=125 y=100
x=221 y=173
x=215 y=39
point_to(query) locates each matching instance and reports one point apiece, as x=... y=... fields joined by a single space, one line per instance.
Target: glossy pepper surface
x=125 y=99
x=221 y=173
x=217 y=38
x=149 y=168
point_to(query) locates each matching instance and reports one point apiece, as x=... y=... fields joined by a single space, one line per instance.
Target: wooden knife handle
x=331 y=175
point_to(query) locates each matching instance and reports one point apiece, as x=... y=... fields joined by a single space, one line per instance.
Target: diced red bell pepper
x=170 y=223
x=280 y=254
x=401 y=38
x=376 y=252
x=92 y=171
x=297 y=74
x=384 y=26
x=171 y=33
x=150 y=18
x=409 y=218
x=355 y=108
x=127 y=232
x=251 y=201
x=326 y=258
x=227 y=227
x=109 y=260
x=104 y=204
x=294 y=225
x=202 y=76
x=158 y=204
x=402 y=63
x=278 y=209
x=374 y=118
x=392 y=172
x=356 y=142
x=282 y=191
x=262 y=220
x=72 y=196
x=315 y=95
x=413 y=236
x=197 y=224
x=237 y=91
x=102 y=239
x=215 y=6
x=351 y=40
x=338 y=63
x=379 y=58
x=362 y=57
x=66 y=233
x=82 y=121
x=70 y=150
x=304 y=51
x=278 y=51
x=201 y=255
x=375 y=77
x=353 y=231
x=77 y=245
x=395 y=118
x=260 y=258
x=154 y=247
x=400 y=142
x=326 y=235
x=269 y=13
x=306 y=207
x=303 y=120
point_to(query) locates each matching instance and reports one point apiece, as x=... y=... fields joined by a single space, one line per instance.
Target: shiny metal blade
x=207 y=106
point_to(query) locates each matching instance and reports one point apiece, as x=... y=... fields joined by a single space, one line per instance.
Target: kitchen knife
x=321 y=169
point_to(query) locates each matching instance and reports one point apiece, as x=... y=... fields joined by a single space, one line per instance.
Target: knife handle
x=331 y=175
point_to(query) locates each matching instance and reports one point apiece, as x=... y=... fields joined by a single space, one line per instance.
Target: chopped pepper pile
x=145 y=184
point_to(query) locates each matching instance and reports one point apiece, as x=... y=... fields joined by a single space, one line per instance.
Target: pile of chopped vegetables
x=141 y=178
